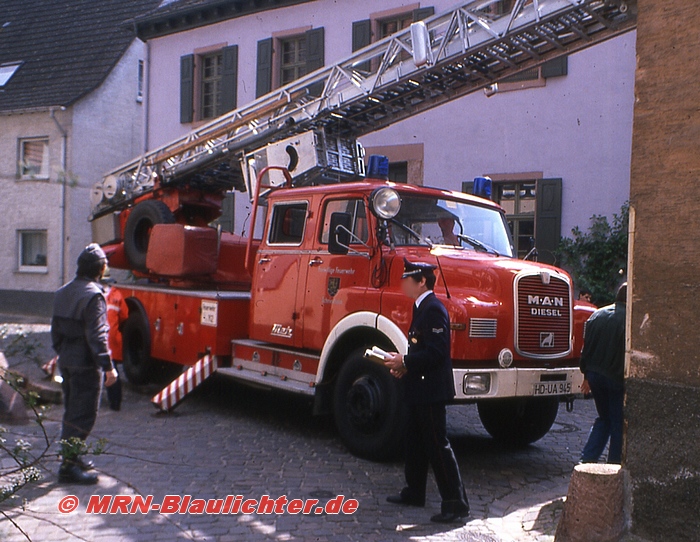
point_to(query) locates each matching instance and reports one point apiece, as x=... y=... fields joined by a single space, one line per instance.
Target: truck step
x=267 y=380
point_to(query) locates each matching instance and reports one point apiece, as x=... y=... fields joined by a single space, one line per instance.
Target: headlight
x=476 y=384
x=386 y=202
x=505 y=358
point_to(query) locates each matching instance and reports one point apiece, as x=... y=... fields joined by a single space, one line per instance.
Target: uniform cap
x=411 y=269
x=92 y=253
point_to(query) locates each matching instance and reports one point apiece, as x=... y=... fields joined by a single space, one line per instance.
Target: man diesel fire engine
x=294 y=299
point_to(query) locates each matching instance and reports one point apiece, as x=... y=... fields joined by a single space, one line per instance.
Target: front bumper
x=471 y=384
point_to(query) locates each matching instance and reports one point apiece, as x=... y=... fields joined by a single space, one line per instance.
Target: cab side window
x=356 y=209
x=288 y=222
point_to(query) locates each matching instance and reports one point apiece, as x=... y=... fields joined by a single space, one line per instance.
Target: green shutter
x=229 y=78
x=315 y=56
x=557 y=67
x=362 y=37
x=263 y=83
x=423 y=13
x=186 y=88
x=548 y=218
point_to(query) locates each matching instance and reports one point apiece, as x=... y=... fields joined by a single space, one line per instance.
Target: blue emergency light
x=482 y=187
x=378 y=167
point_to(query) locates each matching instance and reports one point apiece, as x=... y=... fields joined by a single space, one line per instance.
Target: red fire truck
x=294 y=302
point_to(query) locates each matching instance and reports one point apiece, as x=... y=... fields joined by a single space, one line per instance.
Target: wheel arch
x=351 y=332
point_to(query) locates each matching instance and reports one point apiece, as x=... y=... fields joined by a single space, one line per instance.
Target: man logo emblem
x=333 y=285
x=547 y=340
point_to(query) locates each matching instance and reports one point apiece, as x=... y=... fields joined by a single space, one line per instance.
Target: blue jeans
x=609 y=396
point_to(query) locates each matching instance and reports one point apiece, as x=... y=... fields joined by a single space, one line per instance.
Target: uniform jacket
x=604 y=343
x=429 y=368
x=79 y=329
x=117 y=313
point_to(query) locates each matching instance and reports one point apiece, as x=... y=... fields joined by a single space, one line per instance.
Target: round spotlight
x=505 y=358
x=386 y=202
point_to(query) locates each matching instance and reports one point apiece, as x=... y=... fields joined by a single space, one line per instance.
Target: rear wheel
x=369 y=411
x=136 y=339
x=518 y=421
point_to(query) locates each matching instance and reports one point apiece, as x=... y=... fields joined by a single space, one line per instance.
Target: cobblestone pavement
x=227 y=439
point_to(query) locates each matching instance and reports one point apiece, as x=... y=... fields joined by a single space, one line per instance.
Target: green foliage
x=597 y=259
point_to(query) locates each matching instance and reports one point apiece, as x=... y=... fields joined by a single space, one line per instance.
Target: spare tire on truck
x=138 y=228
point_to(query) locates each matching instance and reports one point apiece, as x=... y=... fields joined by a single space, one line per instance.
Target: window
x=7 y=70
x=519 y=200
x=356 y=209
x=394 y=24
x=293 y=59
x=398 y=172
x=288 y=222
x=32 y=251
x=211 y=75
x=139 y=82
x=34 y=158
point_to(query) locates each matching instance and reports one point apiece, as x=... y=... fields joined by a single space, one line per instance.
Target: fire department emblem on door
x=333 y=285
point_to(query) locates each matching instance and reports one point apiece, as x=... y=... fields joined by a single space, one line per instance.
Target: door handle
x=315 y=261
x=263 y=260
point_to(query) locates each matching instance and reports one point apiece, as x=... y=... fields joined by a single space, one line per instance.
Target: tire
x=368 y=409
x=518 y=422
x=136 y=340
x=138 y=230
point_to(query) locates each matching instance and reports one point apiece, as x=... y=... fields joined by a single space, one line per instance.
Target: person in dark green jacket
x=603 y=366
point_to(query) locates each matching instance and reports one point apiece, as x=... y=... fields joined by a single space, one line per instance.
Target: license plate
x=552 y=388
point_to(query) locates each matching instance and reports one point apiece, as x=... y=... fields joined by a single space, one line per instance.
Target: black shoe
x=451 y=512
x=84 y=464
x=71 y=473
x=405 y=499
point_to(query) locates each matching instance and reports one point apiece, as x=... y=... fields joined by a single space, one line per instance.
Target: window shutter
x=468 y=187
x=315 y=56
x=548 y=218
x=186 y=88
x=229 y=78
x=263 y=83
x=556 y=67
x=423 y=13
x=362 y=37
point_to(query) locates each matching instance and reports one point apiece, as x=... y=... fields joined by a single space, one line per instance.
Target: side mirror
x=339 y=237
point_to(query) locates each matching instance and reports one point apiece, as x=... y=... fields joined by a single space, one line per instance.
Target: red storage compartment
x=175 y=250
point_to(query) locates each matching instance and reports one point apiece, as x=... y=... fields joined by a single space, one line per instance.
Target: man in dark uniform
x=603 y=366
x=426 y=372
x=79 y=333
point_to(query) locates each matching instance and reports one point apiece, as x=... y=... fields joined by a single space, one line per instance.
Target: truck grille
x=543 y=316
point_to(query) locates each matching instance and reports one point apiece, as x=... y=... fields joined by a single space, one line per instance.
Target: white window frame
x=140 y=80
x=31 y=268
x=42 y=176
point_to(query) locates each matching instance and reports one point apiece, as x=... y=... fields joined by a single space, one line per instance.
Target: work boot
x=406 y=498
x=451 y=511
x=71 y=473
x=84 y=464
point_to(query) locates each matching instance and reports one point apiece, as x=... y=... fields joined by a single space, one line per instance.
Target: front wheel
x=518 y=421
x=368 y=408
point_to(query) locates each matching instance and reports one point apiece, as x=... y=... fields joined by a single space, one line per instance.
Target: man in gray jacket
x=79 y=333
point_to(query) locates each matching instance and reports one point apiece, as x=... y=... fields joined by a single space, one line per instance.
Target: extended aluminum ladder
x=434 y=61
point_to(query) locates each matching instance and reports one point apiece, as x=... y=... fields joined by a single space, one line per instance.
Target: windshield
x=453 y=223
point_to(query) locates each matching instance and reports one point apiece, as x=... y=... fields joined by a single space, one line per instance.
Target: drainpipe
x=146 y=95
x=62 y=229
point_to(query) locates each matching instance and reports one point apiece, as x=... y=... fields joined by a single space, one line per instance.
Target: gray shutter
x=556 y=67
x=186 y=88
x=263 y=83
x=229 y=78
x=548 y=219
x=362 y=37
x=468 y=187
x=423 y=13
x=315 y=56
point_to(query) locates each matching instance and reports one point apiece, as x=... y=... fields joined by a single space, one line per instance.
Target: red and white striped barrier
x=177 y=390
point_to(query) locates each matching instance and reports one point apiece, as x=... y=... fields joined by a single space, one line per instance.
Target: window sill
x=522 y=85
x=33 y=270
x=33 y=178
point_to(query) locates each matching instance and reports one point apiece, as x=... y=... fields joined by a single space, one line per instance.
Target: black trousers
x=427 y=444
x=81 y=396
